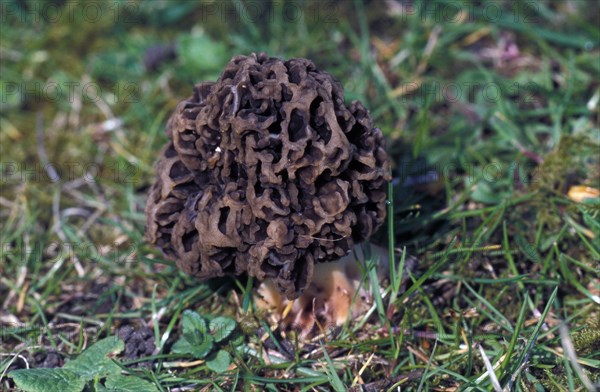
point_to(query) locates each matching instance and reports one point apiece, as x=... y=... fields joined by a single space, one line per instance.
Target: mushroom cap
x=267 y=171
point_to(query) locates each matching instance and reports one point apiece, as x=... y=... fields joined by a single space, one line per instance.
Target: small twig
x=181 y=364
x=362 y=369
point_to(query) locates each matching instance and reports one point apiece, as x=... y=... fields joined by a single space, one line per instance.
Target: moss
x=568 y=164
x=587 y=340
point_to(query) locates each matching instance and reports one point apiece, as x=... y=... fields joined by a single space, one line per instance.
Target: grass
x=492 y=119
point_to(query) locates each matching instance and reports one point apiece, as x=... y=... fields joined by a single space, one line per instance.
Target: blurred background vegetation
x=491 y=109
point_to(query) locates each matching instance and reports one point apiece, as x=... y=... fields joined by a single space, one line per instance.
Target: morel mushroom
x=267 y=171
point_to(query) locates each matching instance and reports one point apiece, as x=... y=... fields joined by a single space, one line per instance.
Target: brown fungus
x=267 y=171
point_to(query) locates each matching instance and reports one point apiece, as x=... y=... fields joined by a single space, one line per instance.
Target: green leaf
x=47 y=380
x=194 y=343
x=123 y=383
x=91 y=363
x=221 y=328
x=95 y=360
x=220 y=362
x=196 y=339
x=182 y=346
x=202 y=346
x=192 y=321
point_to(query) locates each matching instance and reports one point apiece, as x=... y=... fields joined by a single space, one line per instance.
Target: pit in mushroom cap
x=267 y=171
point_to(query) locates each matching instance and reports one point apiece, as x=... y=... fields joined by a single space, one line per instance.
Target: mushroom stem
x=336 y=293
